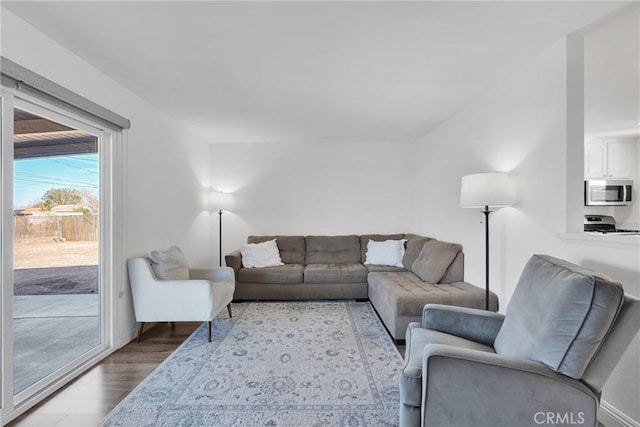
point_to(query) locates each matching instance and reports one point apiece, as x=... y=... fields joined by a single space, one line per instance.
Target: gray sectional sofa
x=333 y=267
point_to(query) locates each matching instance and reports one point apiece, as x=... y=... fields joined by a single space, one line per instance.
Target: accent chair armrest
x=466 y=387
x=234 y=260
x=177 y=300
x=470 y=323
x=215 y=274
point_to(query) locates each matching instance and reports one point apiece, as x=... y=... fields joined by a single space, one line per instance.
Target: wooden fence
x=57 y=227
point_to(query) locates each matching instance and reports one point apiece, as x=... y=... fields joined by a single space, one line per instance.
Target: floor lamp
x=221 y=202
x=485 y=190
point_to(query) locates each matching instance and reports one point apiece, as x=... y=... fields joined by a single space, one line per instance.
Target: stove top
x=616 y=231
x=604 y=224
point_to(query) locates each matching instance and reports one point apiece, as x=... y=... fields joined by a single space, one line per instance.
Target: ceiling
x=309 y=71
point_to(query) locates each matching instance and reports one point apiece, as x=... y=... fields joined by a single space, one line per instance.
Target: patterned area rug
x=275 y=364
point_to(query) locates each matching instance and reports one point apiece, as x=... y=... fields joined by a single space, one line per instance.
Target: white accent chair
x=201 y=298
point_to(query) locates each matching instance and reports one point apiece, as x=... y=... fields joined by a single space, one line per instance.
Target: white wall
x=166 y=169
x=313 y=189
x=520 y=128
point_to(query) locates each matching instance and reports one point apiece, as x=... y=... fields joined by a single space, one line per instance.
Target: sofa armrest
x=470 y=323
x=215 y=274
x=234 y=260
x=466 y=387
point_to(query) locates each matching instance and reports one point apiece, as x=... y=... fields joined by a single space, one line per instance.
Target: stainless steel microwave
x=607 y=192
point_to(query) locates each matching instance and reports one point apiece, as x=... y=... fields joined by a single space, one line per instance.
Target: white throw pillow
x=389 y=252
x=265 y=254
x=170 y=264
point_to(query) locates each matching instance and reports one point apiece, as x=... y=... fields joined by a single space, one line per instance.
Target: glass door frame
x=111 y=270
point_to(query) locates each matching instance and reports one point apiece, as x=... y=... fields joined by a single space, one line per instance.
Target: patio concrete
x=51 y=331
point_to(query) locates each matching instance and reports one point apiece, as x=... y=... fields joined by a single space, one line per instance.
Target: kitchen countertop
x=612 y=240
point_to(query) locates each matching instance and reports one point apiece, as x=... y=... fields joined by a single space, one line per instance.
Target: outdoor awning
x=36 y=137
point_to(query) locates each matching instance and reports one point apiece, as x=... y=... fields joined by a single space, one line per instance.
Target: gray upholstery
x=412 y=249
x=332 y=250
x=455 y=272
x=557 y=308
x=469 y=323
x=559 y=315
x=497 y=391
x=300 y=291
x=417 y=337
x=373 y=268
x=292 y=248
x=335 y=273
x=288 y=274
x=434 y=259
x=399 y=298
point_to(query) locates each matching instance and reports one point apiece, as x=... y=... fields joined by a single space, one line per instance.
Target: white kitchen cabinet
x=610 y=159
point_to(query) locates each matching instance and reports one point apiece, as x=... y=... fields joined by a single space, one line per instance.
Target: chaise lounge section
x=335 y=267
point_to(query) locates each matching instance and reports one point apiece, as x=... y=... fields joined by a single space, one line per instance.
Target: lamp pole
x=486 y=213
x=220 y=202
x=220 y=238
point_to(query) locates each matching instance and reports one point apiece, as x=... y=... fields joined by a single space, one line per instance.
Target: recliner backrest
x=559 y=315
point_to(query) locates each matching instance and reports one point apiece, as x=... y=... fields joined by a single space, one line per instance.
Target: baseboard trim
x=612 y=417
x=125 y=338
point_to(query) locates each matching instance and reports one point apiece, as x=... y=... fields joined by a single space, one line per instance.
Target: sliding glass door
x=56 y=277
x=57 y=248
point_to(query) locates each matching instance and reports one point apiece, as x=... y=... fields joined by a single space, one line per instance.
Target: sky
x=33 y=177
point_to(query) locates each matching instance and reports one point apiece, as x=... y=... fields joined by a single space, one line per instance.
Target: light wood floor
x=88 y=399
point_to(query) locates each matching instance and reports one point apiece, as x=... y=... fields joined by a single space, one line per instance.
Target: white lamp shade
x=219 y=200
x=486 y=189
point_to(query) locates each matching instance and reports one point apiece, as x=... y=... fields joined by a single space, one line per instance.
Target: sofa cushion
x=335 y=273
x=332 y=250
x=455 y=272
x=291 y=247
x=381 y=268
x=170 y=264
x=434 y=260
x=412 y=249
x=559 y=315
x=285 y=274
x=364 y=241
x=406 y=293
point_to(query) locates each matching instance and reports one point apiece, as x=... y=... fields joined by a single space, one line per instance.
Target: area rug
x=275 y=364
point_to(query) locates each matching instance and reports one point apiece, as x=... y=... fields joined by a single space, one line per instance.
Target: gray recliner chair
x=564 y=331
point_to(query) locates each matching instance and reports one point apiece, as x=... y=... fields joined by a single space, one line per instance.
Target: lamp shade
x=486 y=189
x=219 y=200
